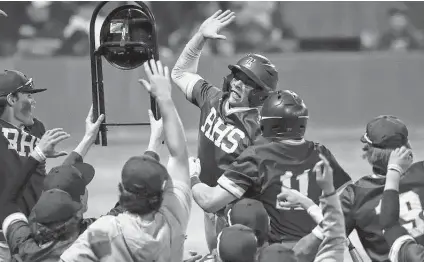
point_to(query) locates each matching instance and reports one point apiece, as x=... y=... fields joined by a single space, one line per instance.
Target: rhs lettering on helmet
x=249 y=62
x=20 y=141
x=223 y=136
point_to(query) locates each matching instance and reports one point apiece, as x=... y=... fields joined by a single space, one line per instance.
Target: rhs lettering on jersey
x=224 y=136
x=20 y=141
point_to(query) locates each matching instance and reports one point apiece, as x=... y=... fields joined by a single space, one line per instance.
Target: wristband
x=329 y=195
x=194 y=180
x=396 y=168
x=39 y=155
x=318 y=232
x=316 y=213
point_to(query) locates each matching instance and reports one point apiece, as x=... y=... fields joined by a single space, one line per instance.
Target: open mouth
x=235 y=94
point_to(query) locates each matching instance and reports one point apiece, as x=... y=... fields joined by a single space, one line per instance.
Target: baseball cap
x=143 y=174
x=276 y=253
x=250 y=213
x=54 y=205
x=237 y=243
x=72 y=179
x=386 y=131
x=13 y=81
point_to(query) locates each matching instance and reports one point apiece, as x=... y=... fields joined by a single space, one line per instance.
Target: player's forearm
x=173 y=130
x=392 y=180
x=333 y=245
x=184 y=73
x=84 y=146
x=202 y=194
x=389 y=215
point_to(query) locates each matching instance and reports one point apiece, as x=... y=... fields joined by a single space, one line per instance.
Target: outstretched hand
x=49 y=141
x=213 y=25
x=159 y=84
x=92 y=126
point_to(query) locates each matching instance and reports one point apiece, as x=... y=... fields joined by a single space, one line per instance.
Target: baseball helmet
x=284 y=115
x=261 y=71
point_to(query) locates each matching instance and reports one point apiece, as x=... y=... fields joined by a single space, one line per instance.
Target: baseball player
x=282 y=157
x=229 y=117
x=404 y=247
x=361 y=201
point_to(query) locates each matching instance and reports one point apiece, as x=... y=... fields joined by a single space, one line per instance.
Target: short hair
x=139 y=204
x=378 y=157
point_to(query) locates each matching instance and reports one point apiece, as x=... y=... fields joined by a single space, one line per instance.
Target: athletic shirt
x=222 y=137
x=22 y=143
x=361 y=203
x=263 y=168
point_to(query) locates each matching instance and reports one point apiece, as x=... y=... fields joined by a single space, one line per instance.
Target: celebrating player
x=281 y=157
x=229 y=116
x=404 y=248
x=361 y=201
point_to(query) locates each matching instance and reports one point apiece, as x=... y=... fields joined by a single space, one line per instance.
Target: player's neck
x=9 y=118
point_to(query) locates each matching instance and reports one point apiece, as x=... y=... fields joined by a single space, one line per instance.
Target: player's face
x=22 y=108
x=241 y=86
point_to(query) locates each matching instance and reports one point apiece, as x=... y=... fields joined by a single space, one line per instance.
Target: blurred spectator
x=402 y=35
x=42 y=27
x=260 y=27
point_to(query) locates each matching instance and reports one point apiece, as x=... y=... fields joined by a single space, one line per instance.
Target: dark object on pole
x=127 y=39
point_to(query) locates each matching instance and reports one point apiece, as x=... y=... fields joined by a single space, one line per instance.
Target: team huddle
x=268 y=193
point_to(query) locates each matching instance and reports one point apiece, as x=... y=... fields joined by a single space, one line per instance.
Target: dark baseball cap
x=72 y=179
x=14 y=81
x=386 y=132
x=250 y=213
x=143 y=175
x=237 y=243
x=53 y=206
x=276 y=253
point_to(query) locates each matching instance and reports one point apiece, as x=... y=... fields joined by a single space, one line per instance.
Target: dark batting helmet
x=284 y=115
x=261 y=71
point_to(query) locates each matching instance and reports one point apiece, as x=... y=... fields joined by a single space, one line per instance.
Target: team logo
x=249 y=62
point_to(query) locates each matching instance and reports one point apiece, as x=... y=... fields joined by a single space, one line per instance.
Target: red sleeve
x=242 y=173
x=203 y=91
x=341 y=178
x=347 y=199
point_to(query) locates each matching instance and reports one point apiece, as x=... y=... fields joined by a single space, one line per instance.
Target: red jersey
x=263 y=168
x=361 y=203
x=222 y=137
x=23 y=143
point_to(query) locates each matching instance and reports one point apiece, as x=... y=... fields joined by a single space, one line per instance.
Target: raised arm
x=333 y=245
x=160 y=88
x=184 y=73
x=91 y=129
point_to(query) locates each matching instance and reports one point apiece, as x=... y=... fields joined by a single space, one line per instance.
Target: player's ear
x=11 y=99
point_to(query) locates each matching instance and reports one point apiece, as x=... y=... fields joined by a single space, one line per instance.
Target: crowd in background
x=43 y=28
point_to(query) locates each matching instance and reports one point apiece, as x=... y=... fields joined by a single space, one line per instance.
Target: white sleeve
x=184 y=73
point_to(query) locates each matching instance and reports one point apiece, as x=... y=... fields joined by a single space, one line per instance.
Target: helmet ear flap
x=257 y=97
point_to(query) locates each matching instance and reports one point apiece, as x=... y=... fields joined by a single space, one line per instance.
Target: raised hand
x=159 y=84
x=49 y=141
x=213 y=25
x=92 y=126
x=401 y=157
x=324 y=174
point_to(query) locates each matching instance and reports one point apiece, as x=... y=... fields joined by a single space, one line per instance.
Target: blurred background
x=43 y=28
